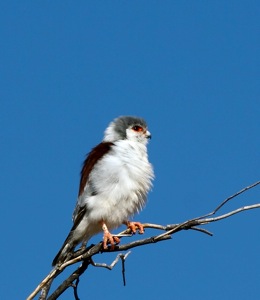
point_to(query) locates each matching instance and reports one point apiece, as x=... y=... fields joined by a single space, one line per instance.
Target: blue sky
x=191 y=69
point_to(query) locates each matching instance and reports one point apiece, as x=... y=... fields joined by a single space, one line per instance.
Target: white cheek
x=130 y=133
x=136 y=136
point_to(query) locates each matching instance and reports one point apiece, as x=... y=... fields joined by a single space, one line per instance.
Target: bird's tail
x=74 y=237
x=67 y=247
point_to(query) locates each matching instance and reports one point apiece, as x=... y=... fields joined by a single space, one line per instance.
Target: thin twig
x=111 y=266
x=42 y=284
x=75 y=289
x=229 y=198
x=224 y=216
x=235 y=195
x=123 y=258
x=202 y=230
x=114 y=262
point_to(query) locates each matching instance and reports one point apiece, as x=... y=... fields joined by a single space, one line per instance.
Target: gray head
x=127 y=127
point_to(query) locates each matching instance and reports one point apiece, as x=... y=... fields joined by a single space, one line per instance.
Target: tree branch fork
x=86 y=255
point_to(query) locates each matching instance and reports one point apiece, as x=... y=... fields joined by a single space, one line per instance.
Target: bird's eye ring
x=137 y=128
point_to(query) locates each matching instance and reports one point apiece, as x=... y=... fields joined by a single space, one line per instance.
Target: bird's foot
x=109 y=238
x=133 y=226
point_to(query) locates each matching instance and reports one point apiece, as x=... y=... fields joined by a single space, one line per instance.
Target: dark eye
x=137 y=128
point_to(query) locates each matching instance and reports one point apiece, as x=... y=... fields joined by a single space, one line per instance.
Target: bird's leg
x=108 y=237
x=133 y=225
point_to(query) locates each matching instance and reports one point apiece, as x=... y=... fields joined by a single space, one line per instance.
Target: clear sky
x=192 y=70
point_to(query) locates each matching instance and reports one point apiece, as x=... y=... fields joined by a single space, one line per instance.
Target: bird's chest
x=121 y=181
x=129 y=166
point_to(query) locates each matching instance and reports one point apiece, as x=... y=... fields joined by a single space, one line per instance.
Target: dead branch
x=86 y=256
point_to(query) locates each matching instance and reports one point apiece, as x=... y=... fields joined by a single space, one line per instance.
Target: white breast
x=121 y=179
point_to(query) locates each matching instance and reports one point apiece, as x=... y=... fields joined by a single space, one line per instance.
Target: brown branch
x=69 y=281
x=45 y=290
x=76 y=274
x=75 y=289
x=86 y=256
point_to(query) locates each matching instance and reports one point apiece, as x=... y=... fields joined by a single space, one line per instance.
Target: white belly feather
x=121 y=182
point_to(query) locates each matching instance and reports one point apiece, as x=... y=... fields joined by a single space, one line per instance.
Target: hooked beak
x=148 y=135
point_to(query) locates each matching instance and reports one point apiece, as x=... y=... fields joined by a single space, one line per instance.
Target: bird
x=116 y=177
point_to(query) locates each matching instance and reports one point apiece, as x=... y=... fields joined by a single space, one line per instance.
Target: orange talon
x=109 y=238
x=133 y=225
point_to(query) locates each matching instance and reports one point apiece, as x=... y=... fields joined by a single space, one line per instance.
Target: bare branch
x=111 y=266
x=123 y=258
x=224 y=216
x=45 y=291
x=69 y=281
x=75 y=289
x=230 y=198
x=202 y=230
x=86 y=255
